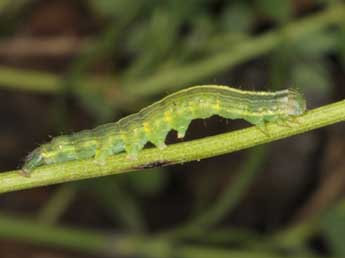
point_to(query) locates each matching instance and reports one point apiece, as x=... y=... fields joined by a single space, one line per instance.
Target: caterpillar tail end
x=33 y=160
x=25 y=172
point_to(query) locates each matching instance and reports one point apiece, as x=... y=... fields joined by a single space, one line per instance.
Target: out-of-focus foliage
x=333 y=226
x=120 y=47
x=280 y=11
x=148 y=182
x=163 y=36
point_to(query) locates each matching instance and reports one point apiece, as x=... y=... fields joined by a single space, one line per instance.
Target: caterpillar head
x=296 y=104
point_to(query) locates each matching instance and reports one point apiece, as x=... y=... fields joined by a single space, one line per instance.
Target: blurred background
x=71 y=65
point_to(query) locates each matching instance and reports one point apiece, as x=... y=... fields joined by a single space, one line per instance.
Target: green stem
x=41 y=82
x=42 y=234
x=186 y=74
x=173 y=154
x=57 y=205
x=107 y=245
x=20 y=79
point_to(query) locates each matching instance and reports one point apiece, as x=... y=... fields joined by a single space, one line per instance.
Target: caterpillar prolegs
x=176 y=111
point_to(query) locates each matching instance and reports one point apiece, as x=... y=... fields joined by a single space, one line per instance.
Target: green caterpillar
x=175 y=111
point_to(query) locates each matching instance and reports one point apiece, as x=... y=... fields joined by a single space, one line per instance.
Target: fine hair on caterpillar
x=174 y=112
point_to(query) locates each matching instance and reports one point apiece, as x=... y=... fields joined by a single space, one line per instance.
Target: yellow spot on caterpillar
x=191 y=106
x=217 y=105
x=167 y=116
x=48 y=154
x=44 y=154
x=147 y=128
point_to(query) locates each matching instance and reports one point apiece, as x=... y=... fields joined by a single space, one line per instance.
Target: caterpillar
x=176 y=111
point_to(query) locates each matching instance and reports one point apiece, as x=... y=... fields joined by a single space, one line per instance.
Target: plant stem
x=107 y=245
x=20 y=79
x=42 y=82
x=173 y=154
x=48 y=235
x=57 y=205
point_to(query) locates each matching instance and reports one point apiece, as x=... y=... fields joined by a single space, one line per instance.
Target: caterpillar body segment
x=176 y=111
